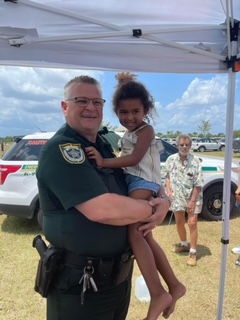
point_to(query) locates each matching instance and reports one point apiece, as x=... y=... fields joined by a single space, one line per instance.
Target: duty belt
x=104 y=268
x=100 y=273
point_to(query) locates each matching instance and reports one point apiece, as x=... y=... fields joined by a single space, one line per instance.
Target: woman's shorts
x=136 y=183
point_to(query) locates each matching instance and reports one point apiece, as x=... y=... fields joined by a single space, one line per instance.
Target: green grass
x=18 y=300
x=19 y=260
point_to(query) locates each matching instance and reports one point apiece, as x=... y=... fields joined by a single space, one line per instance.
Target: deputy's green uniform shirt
x=67 y=178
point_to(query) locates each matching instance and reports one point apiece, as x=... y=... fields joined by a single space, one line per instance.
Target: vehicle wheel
x=40 y=218
x=222 y=148
x=212 y=203
x=202 y=149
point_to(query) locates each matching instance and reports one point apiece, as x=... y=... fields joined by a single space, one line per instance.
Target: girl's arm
x=145 y=137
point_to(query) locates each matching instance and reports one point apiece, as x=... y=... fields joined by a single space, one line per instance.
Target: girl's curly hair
x=128 y=88
x=124 y=77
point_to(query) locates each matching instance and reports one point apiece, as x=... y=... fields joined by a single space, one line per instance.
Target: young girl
x=140 y=161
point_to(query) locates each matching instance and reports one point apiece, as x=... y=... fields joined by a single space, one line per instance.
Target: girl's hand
x=94 y=154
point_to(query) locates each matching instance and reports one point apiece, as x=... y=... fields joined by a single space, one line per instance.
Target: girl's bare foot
x=177 y=292
x=158 y=305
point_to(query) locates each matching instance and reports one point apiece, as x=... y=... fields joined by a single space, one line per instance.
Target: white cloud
x=202 y=93
x=31 y=98
x=201 y=101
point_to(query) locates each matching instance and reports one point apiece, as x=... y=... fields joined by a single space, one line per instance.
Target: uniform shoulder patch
x=72 y=153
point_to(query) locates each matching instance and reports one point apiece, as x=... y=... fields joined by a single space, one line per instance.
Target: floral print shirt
x=184 y=177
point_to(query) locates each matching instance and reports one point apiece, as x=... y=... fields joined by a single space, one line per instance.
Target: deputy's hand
x=161 y=209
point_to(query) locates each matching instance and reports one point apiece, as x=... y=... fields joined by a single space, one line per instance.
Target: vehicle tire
x=213 y=202
x=40 y=218
x=202 y=149
x=222 y=148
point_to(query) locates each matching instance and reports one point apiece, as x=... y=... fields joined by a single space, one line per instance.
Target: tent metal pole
x=232 y=53
x=31 y=39
x=226 y=187
x=128 y=32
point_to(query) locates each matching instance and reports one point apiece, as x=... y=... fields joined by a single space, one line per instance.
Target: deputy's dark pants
x=64 y=300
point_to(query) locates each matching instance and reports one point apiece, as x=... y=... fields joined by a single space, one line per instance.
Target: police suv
x=18 y=184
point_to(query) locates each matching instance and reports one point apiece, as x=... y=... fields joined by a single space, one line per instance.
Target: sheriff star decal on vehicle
x=72 y=153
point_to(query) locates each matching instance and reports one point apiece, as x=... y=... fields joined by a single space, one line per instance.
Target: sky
x=31 y=100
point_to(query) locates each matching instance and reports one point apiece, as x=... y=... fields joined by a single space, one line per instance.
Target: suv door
x=212 y=144
x=18 y=185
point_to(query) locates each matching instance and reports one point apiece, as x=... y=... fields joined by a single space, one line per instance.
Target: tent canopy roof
x=177 y=36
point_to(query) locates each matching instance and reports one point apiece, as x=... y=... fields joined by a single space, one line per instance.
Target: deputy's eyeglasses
x=184 y=145
x=84 y=102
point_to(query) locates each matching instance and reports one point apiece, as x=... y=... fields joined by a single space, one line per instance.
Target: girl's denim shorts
x=136 y=183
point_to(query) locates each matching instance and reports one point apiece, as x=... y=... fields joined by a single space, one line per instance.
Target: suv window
x=168 y=150
x=25 y=149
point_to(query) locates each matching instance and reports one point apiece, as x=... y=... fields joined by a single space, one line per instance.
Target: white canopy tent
x=177 y=36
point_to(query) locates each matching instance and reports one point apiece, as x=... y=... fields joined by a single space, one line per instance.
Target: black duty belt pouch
x=108 y=271
x=125 y=267
x=48 y=266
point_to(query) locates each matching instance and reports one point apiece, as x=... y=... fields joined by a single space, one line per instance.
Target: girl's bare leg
x=160 y=298
x=176 y=288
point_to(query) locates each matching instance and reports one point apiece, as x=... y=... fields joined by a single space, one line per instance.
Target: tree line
x=204 y=131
